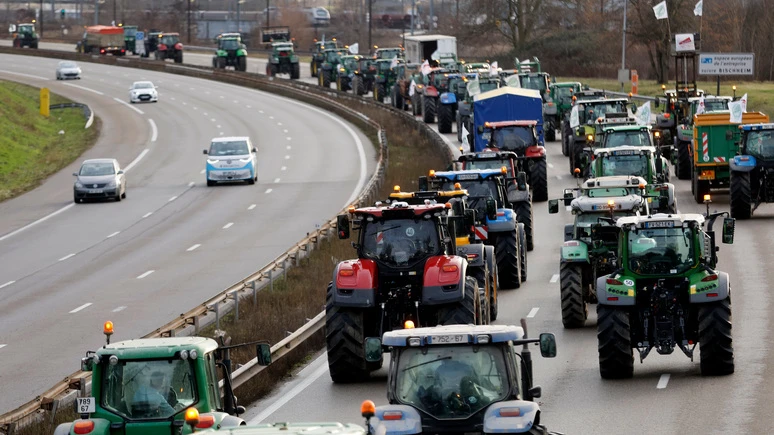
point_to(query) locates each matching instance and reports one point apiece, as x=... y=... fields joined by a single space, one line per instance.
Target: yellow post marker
x=45 y=102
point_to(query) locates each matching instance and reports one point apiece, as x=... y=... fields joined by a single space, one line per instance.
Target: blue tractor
x=752 y=171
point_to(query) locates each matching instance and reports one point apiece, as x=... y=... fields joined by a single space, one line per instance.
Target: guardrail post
x=254 y=286
x=216 y=308
x=284 y=269
x=196 y=325
x=235 y=294
x=271 y=279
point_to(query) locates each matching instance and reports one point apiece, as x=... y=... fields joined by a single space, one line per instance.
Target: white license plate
x=95 y=190
x=85 y=405
x=228 y=173
x=444 y=339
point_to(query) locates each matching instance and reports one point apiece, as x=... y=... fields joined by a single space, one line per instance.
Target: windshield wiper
x=427 y=362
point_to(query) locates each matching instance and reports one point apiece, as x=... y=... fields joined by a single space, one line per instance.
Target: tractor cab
x=390 y=53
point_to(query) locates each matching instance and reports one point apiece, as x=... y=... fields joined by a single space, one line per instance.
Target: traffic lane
x=254 y=64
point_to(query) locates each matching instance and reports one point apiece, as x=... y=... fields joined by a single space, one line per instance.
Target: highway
x=65 y=268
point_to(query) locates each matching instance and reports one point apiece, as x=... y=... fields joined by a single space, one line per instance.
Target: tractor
x=616 y=132
x=402 y=93
x=130 y=39
x=666 y=293
x=230 y=52
x=454 y=86
x=386 y=77
x=170 y=47
x=25 y=36
x=464 y=115
x=149 y=385
x=578 y=97
x=590 y=243
x=558 y=106
x=589 y=111
x=318 y=56
x=363 y=76
x=328 y=73
x=433 y=85
x=405 y=271
x=346 y=71
x=679 y=146
x=152 y=42
x=283 y=60
x=752 y=170
x=389 y=53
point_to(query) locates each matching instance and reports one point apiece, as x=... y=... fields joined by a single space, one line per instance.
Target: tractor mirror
x=553 y=206
x=521 y=180
x=423 y=184
x=373 y=349
x=659 y=165
x=728 y=230
x=657 y=102
x=547 y=345
x=585 y=87
x=204 y=151
x=491 y=209
x=263 y=352
x=633 y=107
x=255 y=150
x=86 y=364
x=729 y=135
x=342 y=226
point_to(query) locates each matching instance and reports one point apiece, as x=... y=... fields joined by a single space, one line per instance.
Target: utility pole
x=96 y=12
x=115 y=23
x=413 y=12
x=268 y=13
x=188 y=37
x=623 y=43
x=40 y=19
x=238 y=2
x=370 y=20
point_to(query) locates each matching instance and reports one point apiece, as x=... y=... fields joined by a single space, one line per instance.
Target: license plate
x=228 y=173
x=95 y=190
x=85 y=405
x=448 y=339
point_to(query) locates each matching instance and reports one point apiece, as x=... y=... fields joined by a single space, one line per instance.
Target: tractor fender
x=380 y=79
x=664 y=122
x=354 y=283
x=101 y=426
x=241 y=52
x=721 y=288
x=535 y=151
x=515 y=196
x=491 y=260
x=606 y=298
x=743 y=163
x=327 y=67
x=229 y=420
x=448 y=98
x=63 y=429
x=504 y=222
x=575 y=251
x=494 y=423
x=441 y=286
x=409 y=423
x=685 y=135
x=431 y=91
x=473 y=252
x=463 y=108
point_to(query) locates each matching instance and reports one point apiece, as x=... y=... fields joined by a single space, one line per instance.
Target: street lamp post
x=188 y=36
x=40 y=18
x=623 y=44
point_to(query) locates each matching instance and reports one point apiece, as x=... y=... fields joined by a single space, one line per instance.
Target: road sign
x=726 y=64
x=139 y=36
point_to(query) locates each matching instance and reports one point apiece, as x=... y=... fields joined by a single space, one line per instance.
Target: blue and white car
x=231 y=159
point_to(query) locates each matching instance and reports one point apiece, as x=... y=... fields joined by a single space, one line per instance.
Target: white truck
x=421 y=47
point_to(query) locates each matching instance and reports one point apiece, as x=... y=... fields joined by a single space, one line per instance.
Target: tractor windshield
x=332 y=57
x=593 y=111
x=761 y=143
x=478 y=192
x=229 y=44
x=400 y=242
x=713 y=105
x=451 y=382
x=170 y=39
x=488 y=86
x=661 y=249
x=632 y=164
x=605 y=192
x=389 y=53
x=487 y=164
x=514 y=138
x=536 y=82
x=620 y=138
x=326 y=45
x=564 y=92
x=130 y=32
x=148 y=389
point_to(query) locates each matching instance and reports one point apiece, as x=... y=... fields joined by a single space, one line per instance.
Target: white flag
x=493 y=69
x=426 y=68
x=737 y=109
x=574 y=119
x=465 y=134
x=394 y=62
x=643 y=114
x=412 y=88
x=701 y=108
x=698 y=7
x=661 y=11
x=513 y=81
x=474 y=87
x=354 y=48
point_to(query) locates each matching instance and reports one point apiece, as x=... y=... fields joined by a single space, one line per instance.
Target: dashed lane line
x=252 y=206
x=663 y=381
x=145 y=274
x=113 y=234
x=67 y=256
x=228 y=225
x=533 y=312
x=147 y=214
x=129 y=106
x=554 y=278
x=121 y=308
x=7 y=284
x=80 y=308
x=193 y=247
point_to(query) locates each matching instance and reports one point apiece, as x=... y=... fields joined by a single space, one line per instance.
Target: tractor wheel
x=345 y=335
x=538 y=180
x=523 y=251
x=242 y=63
x=615 y=343
x=416 y=104
x=566 y=138
x=313 y=68
x=550 y=134
x=463 y=312
x=481 y=274
x=523 y=211
x=493 y=293
x=339 y=85
x=428 y=109
x=699 y=188
x=222 y=64
x=210 y=183
x=394 y=97
x=507 y=255
x=445 y=118
x=717 y=352
x=379 y=92
x=326 y=81
x=34 y=45
x=741 y=195
x=575 y=310
x=295 y=71
x=683 y=166
x=357 y=85
x=400 y=103
x=179 y=57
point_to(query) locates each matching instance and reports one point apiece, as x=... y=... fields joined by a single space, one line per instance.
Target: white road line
x=558 y=177
x=285 y=130
x=147 y=214
x=532 y=312
x=196 y=108
x=228 y=225
x=554 y=277
x=121 y=308
x=145 y=274
x=284 y=168
x=287 y=157
x=203 y=171
x=172 y=98
x=298 y=389
x=249 y=106
x=236 y=102
x=205 y=114
x=279 y=123
x=212 y=119
x=136 y=160
x=129 y=106
x=154 y=130
x=172 y=199
x=550 y=165
x=287 y=147
x=84 y=88
x=193 y=247
x=663 y=381
x=66 y=257
x=288 y=138
x=184 y=103
x=191 y=184
x=267 y=191
x=260 y=111
x=3 y=345
x=217 y=126
x=7 y=284
x=221 y=133
x=31 y=224
x=80 y=308
x=191 y=89
x=252 y=206
x=113 y=235
x=222 y=96
x=276 y=180
x=24 y=75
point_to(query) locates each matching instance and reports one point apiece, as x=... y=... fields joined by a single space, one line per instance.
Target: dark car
x=99 y=179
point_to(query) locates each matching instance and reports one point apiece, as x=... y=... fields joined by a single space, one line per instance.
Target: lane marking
x=212 y=119
x=298 y=389
x=121 y=308
x=172 y=98
x=205 y=113
x=271 y=117
x=66 y=257
x=663 y=381
x=283 y=168
x=236 y=102
x=252 y=206
x=287 y=147
x=558 y=177
x=154 y=130
x=554 y=278
x=532 y=312
x=172 y=199
x=84 y=88
x=145 y=274
x=249 y=106
x=279 y=123
x=288 y=138
x=7 y=284
x=80 y=308
x=193 y=247
x=550 y=165
x=260 y=111
x=222 y=96
x=276 y=180
x=3 y=345
x=31 y=224
x=217 y=126
x=136 y=160
x=267 y=191
x=129 y=106
x=113 y=235
x=287 y=157
x=24 y=75
x=285 y=130
x=228 y=225
x=184 y=103
x=147 y=214
x=202 y=171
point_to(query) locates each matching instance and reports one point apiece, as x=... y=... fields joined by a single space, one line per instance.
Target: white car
x=231 y=159
x=68 y=69
x=143 y=92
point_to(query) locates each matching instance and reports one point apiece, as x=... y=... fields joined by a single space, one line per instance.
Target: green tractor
x=149 y=385
x=25 y=36
x=389 y=53
x=464 y=115
x=346 y=71
x=558 y=106
x=130 y=39
x=589 y=248
x=666 y=293
x=328 y=72
x=283 y=60
x=231 y=52
x=589 y=112
x=318 y=54
x=386 y=77
x=363 y=76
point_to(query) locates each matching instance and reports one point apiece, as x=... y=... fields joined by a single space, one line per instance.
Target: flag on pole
x=737 y=108
x=493 y=69
x=661 y=11
x=701 y=108
x=426 y=68
x=574 y=119
x=474 y=87
x=354 y=48
x=513 y=81
x=697 y=9
x=465 y=134
x=394 y=62
x=643 y=114
x=412 y=87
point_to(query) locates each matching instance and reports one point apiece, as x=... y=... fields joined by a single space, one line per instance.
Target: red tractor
x=170 y=47
x=406 y=274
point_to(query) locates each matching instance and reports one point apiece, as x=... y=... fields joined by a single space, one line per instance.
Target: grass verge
x=31 y=146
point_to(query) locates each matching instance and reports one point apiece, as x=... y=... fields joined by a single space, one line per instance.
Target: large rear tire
x=523 y=212
x=715 y=343
x=463 y=312
x=481 y=275
x=326 y=81
x=741 y=195
x=507 y=255
x=379 y=92
x=538 y=180
x=494 y=293
x=242 y=63
x=550 y=133
x=428 y=109
x=445 y=118
x=416 y=104
x=523 y=251
x=616 y=360
x=566 y=138
x=345 y=338
x=179 y=57
x=683 y=166
x=575 y=310
x=357 y=85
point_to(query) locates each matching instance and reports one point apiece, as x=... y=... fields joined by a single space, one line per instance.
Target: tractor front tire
x=326 y=81
x=481 y=274
x=463 y=312
x=379 y=92
x=445 y=118
x=494 y=287
x=222 y=64
x=575 y=310
x=358 y=88
x=523 y=211
x=741 y=195
x=345 y=335
x=683 y=166
x=507 y=255
x=416 y=104
x=566 y=138
x=550 y=133
x=428 y=109
x=179 y=57
x=313 y=68
x=538 y=180
x=295 y=71
x=616 y=360
x=242 y=63
x=715 y=343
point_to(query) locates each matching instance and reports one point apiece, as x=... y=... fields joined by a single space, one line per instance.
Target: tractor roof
x=710 y=98
x=461 y=335
x=627 y=128
x=614 y=181
x=587 y=204
x=755 y=127
x=661 y=220
x=352 y=56
x=420 y=197
x=320 y=428
x=503 y=124
x=472 y=174
x=153 y=348
x=624 y=150
x=566 y=84
x=487 y=154
x=604 y=101
x=399 y=210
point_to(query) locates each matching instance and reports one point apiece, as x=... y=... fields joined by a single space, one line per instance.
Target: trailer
x=426 y=47
x=506 y=104
x=103 y=40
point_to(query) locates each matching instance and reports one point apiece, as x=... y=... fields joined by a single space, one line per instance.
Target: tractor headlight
x=183 y=354
x=193 y=354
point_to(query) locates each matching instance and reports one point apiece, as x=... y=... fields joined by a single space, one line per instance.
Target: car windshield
x=761 y=143
x=170 y=39
x=515 y=138
x=229 y=44
x=661 y=251
x=452 y=381
x=148 y=389
x=67 y=64
x=634 y=138
x=533 y=82
x=229 y=148
x=633 y=164
x=400 y=242
x=142 y=85
x=97 y=169
x=487 y=164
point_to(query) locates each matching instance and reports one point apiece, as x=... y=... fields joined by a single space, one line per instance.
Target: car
x=99 y=179
x=68 y=69
x=143 y=92
x=231 y=159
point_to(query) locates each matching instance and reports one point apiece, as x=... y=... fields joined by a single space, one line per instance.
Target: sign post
x=726 y=64
x=139 y=43
x=45 y=102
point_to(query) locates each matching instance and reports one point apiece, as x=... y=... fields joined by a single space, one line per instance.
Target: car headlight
x=78 y=184
x=212 y=161
x=111 y=183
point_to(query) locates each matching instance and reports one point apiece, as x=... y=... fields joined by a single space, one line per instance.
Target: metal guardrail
x=87 y=112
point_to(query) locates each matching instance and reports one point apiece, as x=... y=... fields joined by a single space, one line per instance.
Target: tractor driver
x=150 y=401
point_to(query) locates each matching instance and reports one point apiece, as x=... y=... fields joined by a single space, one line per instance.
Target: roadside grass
x=31 y=148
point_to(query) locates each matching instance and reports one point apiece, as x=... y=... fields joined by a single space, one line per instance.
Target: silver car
x=99 y=179
x=68 y=69
x=143 y=92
